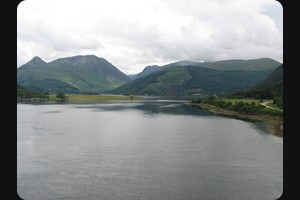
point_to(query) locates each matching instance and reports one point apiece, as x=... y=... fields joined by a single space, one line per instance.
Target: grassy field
x=94 y=97
x=256 y=101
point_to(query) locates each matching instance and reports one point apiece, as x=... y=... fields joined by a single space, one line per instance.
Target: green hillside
x=154 y=68
x=261 y=64
x=268 y=88
x=192 y=80
x=78 y=74
x=26 y=93
x=253 y=65
x=275 y=78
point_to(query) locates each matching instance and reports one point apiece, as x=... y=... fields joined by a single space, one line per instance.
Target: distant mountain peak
x=37 y=60
x=86 y=56
x=81 y=73
x=82 y=58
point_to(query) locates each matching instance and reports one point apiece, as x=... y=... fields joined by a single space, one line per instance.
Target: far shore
x=96 y=98
x=82 y=98
x=274 y=124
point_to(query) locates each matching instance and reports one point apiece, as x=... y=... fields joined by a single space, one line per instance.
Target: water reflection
x=143 y=150
x=151 y=108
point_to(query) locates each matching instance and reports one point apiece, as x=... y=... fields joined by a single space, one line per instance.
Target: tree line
x=241 y=107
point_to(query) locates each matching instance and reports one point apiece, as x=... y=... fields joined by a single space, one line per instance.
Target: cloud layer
x=132 y=34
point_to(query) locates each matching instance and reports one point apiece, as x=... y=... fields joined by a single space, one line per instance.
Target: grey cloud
x=135 y=33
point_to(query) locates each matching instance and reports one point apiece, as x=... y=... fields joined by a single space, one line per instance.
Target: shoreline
x=81 y=98
x=274 y=124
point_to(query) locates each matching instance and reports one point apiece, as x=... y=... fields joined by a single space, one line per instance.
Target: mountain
x=77 y=74
x=187 y=80
x=252 y=65
x=36 y=62
x=148 y=70
x=226 y=65
x=275 y=78
x=154 y=68
x=268 y=88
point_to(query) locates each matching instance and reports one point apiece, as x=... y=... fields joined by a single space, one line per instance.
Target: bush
x=61 y=96
x=271 y=112
x=197 y=100
x=278 y=101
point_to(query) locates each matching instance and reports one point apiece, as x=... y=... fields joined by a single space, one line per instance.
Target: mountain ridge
x=191 y=80
x=270 y=87
x=81 y=73
x=92 y=74
x=223 y=65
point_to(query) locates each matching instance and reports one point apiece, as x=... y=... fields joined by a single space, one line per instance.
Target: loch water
x=156 y=149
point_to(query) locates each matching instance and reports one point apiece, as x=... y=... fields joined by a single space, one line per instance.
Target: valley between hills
x=93 y=79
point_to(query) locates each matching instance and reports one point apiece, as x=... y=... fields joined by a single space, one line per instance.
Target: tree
x=61 y=96
x=278 y=101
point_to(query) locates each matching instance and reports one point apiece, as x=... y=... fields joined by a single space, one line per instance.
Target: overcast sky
x=132 y=34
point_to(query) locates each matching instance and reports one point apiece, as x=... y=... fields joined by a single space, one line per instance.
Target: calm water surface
x=143 y=150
